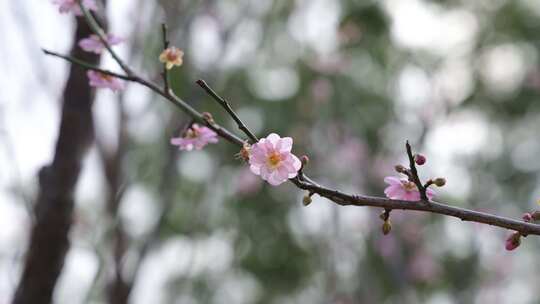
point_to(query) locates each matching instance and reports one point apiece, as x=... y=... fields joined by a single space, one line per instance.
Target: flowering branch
x=301 y=180
x=94 y=26
x=89 y=66
x=414 y=173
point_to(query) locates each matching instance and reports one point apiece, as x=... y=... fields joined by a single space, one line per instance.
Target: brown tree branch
x=229 y=110
x=336 y=196
x=49 y=240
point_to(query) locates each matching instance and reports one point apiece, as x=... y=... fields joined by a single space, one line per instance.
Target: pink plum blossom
x=196 y=137
x=72 y=6
x=402 y=189
x=271 y=158
x=171 y=56
x=93 y=44
x=101 y=80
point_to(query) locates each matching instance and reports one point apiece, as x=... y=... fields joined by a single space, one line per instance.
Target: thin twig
x=229 y=110
x=89 y=66
x=165 y=72
x=94 y=26
x=414 y=173
x=333 y=195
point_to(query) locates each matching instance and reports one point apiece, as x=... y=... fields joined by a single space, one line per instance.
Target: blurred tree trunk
x=49 y=240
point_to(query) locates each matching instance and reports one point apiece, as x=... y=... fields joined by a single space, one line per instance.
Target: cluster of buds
x=410 y=188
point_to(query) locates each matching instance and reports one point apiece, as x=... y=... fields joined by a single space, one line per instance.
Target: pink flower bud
x=400 y=169
x=419 y=159
x=527 y=217
x=304 y=159
x=208 y=117
x=439 y=182
x=513 y=241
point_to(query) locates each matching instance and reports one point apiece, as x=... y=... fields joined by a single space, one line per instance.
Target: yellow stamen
x=409 y=186
x=192 y=133
x=274 y=159
x=105 y=77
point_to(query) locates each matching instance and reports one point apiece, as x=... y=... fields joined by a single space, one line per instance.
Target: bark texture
x=53 y=209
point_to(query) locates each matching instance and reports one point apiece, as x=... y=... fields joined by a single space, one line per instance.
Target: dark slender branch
x=229 y=110
x=433 y=207
x=165 y=72
x=89 y=66
x=94 y=26
x=336 y=196
x=414 y=173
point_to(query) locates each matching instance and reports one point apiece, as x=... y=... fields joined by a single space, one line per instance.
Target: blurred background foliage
x=350 y=81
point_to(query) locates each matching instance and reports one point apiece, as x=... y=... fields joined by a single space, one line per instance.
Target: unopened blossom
x=403 y=189
x=419 y=159
x=171 y=56
x=527 y=217
x=72 y=6
x=271 y=158
x=93 y=44
x=513 y=241
x=101 y=80
x=196 y=137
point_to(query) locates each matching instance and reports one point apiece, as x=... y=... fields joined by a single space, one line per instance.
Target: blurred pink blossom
x=101 y=80
x=422 y=267
x=402 y=189
x=271 y=158
x=321 y=90
x=196 y=137
x=387 y=246
x=72 y=6
x=93 y=44
x=247 y=183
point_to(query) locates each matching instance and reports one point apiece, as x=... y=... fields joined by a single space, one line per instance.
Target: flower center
x=409 y=186
x=105 y=77
x=172 y=56
x=274 y=159
x=191 y=133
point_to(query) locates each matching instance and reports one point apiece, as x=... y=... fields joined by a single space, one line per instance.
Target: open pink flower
x=196 y=137
x=402 y=189
x=271 y=158
x=93 y=44
x=100 y=80
x=72 y=6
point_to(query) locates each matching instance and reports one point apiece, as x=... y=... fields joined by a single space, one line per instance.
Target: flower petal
x=285 y=144
x=392 y=180
x=273 y=138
